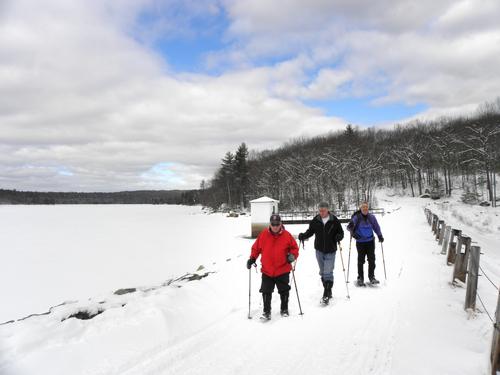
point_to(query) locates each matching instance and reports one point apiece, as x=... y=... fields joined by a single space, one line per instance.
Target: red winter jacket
x=274 y=249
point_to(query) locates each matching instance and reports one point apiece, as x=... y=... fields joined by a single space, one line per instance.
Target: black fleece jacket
x=327 y=234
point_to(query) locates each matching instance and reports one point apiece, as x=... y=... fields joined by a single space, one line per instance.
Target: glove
x=380 y=239
x=356 y=236
x=250 y=262
x=290 y=258
x=339 y=237
x=301 y=237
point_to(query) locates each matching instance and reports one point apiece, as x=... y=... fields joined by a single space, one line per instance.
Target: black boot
x=329 y=286
x=327 y=291
x=284 y=303
x=266 y=297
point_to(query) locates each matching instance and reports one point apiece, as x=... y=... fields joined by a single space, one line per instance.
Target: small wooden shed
x=261 y=210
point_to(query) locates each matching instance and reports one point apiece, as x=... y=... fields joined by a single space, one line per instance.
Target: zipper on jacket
x=324 y=236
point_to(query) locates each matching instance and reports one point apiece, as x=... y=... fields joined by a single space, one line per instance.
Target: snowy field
x=412 y=324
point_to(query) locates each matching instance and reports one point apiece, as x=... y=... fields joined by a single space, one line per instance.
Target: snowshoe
x=266 y=316
x=360 y=282
x=284 y=313
x=325 y=301
x=374 y=281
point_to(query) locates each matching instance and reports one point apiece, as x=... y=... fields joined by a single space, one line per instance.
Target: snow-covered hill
x=413 y=323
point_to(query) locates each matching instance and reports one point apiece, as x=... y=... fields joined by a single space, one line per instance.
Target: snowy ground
x=52 y=254
x=412 y=324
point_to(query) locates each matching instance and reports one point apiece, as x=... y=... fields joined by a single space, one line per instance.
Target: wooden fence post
x=452 y=252
x=495 y=347
x=461 y=259
x=446 y=239
x=470 y=294
x=434 y=223
x=440 y=232
x=428 y=215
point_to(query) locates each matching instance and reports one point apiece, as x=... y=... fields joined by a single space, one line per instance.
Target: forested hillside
x=345 y=167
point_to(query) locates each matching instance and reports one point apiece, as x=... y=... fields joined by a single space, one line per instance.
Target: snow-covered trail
x=404 y=326
x=412 y=324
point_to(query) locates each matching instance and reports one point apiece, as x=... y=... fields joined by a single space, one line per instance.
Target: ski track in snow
x=413 y=323
x=355 y=336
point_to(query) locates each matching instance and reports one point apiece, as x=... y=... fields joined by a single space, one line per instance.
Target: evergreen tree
x=349 y=131
x=228 y=174
x=241 y=172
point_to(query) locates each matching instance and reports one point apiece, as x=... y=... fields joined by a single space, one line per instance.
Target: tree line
x=186 y=197
x=343 y=168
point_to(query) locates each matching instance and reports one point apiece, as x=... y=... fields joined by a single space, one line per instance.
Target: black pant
x=282 y=283
x=366 y=250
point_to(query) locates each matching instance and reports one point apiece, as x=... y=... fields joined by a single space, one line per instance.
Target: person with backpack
x=277 y=249
x=362 y=226
x=327 y=231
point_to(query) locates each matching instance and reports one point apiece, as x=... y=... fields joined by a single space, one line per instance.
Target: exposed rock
x=84 y=314
x=120 y=292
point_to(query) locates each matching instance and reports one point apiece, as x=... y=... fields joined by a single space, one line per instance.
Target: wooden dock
x=304 y=217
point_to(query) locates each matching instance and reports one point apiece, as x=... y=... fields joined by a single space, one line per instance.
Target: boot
x=360 y=282
x=327 y=291
x=266 y=297
x=329 y=286
x=284 y=303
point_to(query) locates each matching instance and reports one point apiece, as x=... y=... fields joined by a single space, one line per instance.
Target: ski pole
x=296 y=290
x=250 y=289
x=383 y=260
x=349 y=259
x=343 y=269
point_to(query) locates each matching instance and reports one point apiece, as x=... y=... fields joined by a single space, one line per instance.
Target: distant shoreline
x=179 y=197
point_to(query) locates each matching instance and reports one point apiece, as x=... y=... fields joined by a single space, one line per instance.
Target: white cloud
x=81 y=96
x=440 y=53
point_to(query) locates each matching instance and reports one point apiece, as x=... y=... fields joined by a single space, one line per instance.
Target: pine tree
x=228 y=174
x=241 y=172
x=349 y=131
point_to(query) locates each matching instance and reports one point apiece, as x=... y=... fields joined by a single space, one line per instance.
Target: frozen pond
x=54 y=253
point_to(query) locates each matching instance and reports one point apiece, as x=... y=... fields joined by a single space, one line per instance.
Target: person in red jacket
x=278 y=249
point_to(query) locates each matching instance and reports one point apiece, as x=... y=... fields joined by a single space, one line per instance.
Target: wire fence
x=466 y=269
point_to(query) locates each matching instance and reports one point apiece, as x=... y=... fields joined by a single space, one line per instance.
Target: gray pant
x=326 y=263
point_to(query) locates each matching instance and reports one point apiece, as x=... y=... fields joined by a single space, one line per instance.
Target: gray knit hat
x=323 y=205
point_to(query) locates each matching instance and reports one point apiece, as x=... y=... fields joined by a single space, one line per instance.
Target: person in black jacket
x=327 y=231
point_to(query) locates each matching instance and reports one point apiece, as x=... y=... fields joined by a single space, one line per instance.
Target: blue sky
x=363 y=111
x=186 y=51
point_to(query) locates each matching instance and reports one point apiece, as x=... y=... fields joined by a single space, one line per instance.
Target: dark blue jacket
x=364 y=226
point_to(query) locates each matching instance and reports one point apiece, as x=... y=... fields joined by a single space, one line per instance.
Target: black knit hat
x=275 y=219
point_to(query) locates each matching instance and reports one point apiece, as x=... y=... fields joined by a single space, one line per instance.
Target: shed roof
x=263 y=200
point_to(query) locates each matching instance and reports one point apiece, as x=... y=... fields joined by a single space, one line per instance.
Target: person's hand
x=339 y=237
x=301 y=237
x=250 y=262
x=380 y=239
x=290 y=258
x=356 y=236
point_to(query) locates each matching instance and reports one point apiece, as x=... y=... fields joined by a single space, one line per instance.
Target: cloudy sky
x=105 y=95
